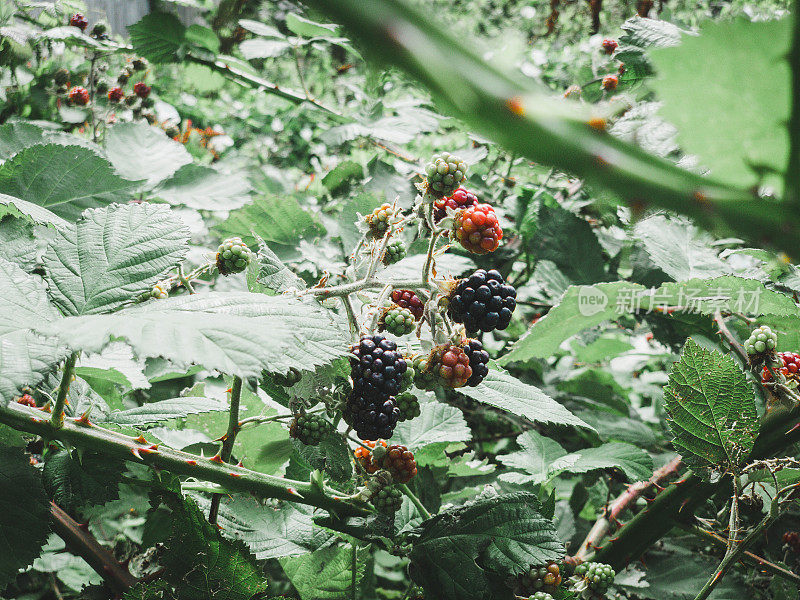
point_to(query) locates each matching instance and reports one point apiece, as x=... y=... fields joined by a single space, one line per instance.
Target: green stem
x=357 y=286
x=792 y=177
x=119 y=446
x=414 y=500
x=57 y=416
x=226 y=451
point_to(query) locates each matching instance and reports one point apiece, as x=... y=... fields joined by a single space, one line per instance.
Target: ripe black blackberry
x=371 y=419
x=483 y=301
x=377 y=368
x=478 y=361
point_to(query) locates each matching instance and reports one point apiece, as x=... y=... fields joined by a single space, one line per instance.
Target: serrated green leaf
x=438 y=423
x=223 y=331
x=139 y=150
x=200 y=563
x=74 y=572
x=24 y=525
x=17 y=135
x=650 y=33
x=271 y=274
x=338 y=177
x=28 y=210
x=63 y=179
x=273 y=219
x=204 y=188
x=537 y=454
x=326 y=574
x=308 y=28
x=332 y=456
x=165 y=410
x=733 y=139
x=712 y=410
x=82 y=479
x=634 y=462
x=158 y=36
x=508 y=393
x=112 y=255
x=17 y=242
x=503 y=536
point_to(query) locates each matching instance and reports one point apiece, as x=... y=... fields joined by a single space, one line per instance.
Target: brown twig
x=84 y=544
x=729 y=337
x=603 y=525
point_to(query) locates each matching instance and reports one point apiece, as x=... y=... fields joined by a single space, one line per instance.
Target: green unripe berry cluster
x=233 y=256
x=408 y=405
x=540 y=596
x=378 y=219
x=424 y=378
x=395 y=251
x=309 y=429
x=388 y=500
x=593 y=576
x=399 y=321
x=445 y=173
x=762 y=340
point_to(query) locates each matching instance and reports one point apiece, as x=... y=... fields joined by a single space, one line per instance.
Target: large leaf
x=712 y=410
x=236 y=333
x=437 y=423
x=17 y=135
x=204 y=188
x=508 y=393
x=75 y=480
x=112 y=255
x=733 y=139
x=158 y=36
x=17 y=242
x=273 y=219
x=634 y=462
x=138 y=150
x=165 y=410
x=537 y=454
x=28 y=210
x=327 y=574
x=63 y=179
x=24 y=522
x=458 y=549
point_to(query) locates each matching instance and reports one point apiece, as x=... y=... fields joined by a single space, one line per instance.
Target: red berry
x=790 y=367
x=364 y=457
x=792 y=540
x=609 y=46
x=79 y=21
x=115 y=94
x=79 y=95
x=610 y=82
x=461 y=198
x=141 y=89
x=399 y=461
x=27 y=400
x=408 y=299
x=621 y=69
x=451 y=364
x=477 y=229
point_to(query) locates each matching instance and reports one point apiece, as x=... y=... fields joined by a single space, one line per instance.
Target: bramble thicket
x=400 y=300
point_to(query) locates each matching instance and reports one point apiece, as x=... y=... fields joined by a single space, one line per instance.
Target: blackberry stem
x=414 y=500
x=226 y=450
x=57 y=416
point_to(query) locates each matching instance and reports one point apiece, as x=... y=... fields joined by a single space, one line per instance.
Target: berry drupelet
x=483 y=301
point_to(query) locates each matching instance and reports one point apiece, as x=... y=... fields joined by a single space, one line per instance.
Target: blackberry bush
x=483 y=301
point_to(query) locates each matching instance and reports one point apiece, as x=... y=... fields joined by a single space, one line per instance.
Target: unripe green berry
x=399 y=321
x=388 y=500
x=445 y=173
x=395 y=251
x=408 y=405
x=233 y=256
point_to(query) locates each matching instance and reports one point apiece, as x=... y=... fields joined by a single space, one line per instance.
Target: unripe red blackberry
x=451 y=365
x=395 y=252
x=540 y=579
x=408 y=299
x=459 y=199
x=398 y=320
x=364 y=456
x=141 y=89
x=408 y=405
x=26 y=400
x=388 y=500
x=61 y=77
x=610 y=82
x=477 y=229
x=478 y=361
x=483 y=301
x=445 y=173
x=309 y=429
x=376 y=369
x=791 y=539
x=115 y=94
x=610 y=46
x=79 y=21
x=380 y=219
x=79 y=96
x=233 y=256
x=398 y=460
x=789 y=367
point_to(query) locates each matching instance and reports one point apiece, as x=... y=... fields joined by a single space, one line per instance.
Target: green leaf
x=273 y=219
x=307 y=28
x=332 y=456
x=24 y=524
x=326 y=574
x=262 y=48
x=138 y=149
x=338 y=178
x=712 y=410
x=158 y=36
x=271 y=274
x=562 y=236
x=223 y=331
x=537 y=454
x=17 y=135
x=85 y=479
x=508 y=393
x=634 y=462
x=733 y=139
x=74 y=572
x=28 y=210
x=601 y=349
x=201 y=563
x=17 y=242
x=269 y=531
x=112 y=255
x=437 y=424
x=165 y=410
x=458 y=549
x=650 y=33
x=204 y=188
x=63 y=179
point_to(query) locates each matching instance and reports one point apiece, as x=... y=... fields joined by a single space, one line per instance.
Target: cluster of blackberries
x=309 y=429
x=539 y=579
x=761 y=341
x=591 y=579
x=377 y=370
x=483 y=301
x=789 y=367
